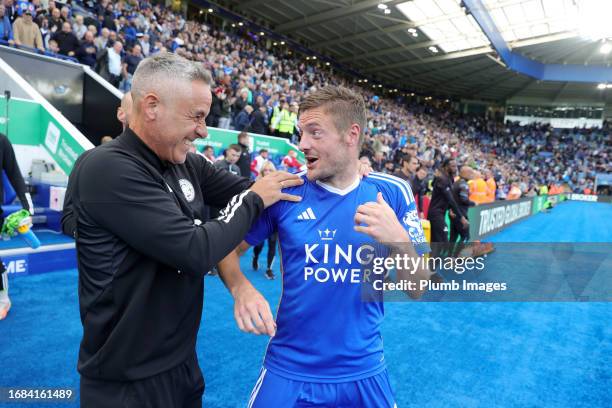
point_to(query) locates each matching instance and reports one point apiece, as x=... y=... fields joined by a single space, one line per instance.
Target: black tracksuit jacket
x=143 y=247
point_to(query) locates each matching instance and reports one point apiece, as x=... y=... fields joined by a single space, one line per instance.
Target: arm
x=382 y=223
x=14 y=175
x=251 y=310
x=38 y=43
x=17 y=32
x=69 y=221
x=446 y=190
x=133 y=205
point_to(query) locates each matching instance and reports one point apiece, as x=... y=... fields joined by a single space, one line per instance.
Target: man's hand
x=381 y=222
x=252 y=311
x=465 y=222
x=364 y=170
x=269 y=187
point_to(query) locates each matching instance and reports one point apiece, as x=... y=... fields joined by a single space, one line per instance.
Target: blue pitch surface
x=439 y=354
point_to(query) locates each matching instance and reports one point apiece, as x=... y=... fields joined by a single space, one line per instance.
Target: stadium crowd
x=258 y=90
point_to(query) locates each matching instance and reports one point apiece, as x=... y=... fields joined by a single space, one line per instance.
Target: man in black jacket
x=144 y=243
x=66 y=40
x=8 y=163
x=259 y=120
x=441 y=200
x=461 y=194
x=244 y=162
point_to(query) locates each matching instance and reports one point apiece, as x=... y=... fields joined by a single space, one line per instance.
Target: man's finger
x=290 y=197
x=256 y=319
x=364 y=219
x=239 y=322
x=268 y=320
x=371 y=210
x=292 y=182
x=380 y=199
x=283 y=175
x=246 y=319
x=365 y=230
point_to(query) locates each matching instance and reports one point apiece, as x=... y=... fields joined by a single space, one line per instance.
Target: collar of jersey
x=339 y=191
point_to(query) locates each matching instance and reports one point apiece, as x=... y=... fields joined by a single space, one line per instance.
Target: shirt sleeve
x=405 y=208
x=263 y=227
x=219 y=185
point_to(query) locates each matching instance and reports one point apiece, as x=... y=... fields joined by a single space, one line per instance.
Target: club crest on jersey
x=188 y=189
x=412 y=221
x=327 y=234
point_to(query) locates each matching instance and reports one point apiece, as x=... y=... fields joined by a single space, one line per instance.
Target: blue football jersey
x=325 y=331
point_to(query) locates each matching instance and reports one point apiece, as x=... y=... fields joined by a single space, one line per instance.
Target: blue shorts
x=273 y=391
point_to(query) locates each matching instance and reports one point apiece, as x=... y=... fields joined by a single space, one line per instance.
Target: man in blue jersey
x=327 y=351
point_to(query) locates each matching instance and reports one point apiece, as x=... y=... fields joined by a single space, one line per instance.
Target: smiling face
x=179 y=119
x=327 y=150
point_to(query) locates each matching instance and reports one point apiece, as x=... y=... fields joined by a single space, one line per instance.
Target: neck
x=346 y=177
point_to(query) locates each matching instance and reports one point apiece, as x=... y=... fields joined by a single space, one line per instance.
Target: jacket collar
x=134 y=143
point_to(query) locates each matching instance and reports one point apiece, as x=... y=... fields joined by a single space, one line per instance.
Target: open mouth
x=311 y=160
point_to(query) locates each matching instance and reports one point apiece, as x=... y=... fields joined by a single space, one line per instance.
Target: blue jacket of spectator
x=242 y=121
x=6 y=29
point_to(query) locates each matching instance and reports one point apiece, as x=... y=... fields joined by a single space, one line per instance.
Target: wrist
x=239 y=287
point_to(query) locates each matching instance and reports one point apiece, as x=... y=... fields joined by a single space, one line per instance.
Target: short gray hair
x=153 y=71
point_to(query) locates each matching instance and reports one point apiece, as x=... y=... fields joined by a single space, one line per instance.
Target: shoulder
x=391 y=186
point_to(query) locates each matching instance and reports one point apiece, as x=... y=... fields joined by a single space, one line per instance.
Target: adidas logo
x=307 y=215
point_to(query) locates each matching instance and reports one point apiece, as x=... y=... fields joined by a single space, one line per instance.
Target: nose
x=304 y=143
x=201 y=130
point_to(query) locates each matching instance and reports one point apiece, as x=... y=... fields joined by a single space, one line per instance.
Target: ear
x=352 y=135
x=150 y=105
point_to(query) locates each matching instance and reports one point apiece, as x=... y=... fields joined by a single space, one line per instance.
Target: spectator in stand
x=53 y=48
x=145 y=45
x=240 y=102
x=209 y=153
x=259 y=120
x=66 y=40
x=102 y=41
x=389 y=167
x=129 y=65
x=26 y=33
x=245 y=154
x=65 y=13
x=11 y=11
x=242 y=122
x=291 y=163
x=258 y=162
x=6 y=28
x=109 y=63
x=232 y=154
x=79 y=29
x=108 y=19
x=378 y=161
x=55 y=22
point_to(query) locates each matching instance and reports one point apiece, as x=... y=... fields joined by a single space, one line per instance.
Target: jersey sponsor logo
x=188 y=189
x=307 y=215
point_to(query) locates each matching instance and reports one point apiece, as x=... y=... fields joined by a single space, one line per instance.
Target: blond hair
x=267 y=165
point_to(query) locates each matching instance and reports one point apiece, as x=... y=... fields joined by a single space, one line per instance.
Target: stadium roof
x=434 y=46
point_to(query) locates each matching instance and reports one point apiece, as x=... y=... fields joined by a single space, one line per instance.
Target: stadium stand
x=246 y=73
